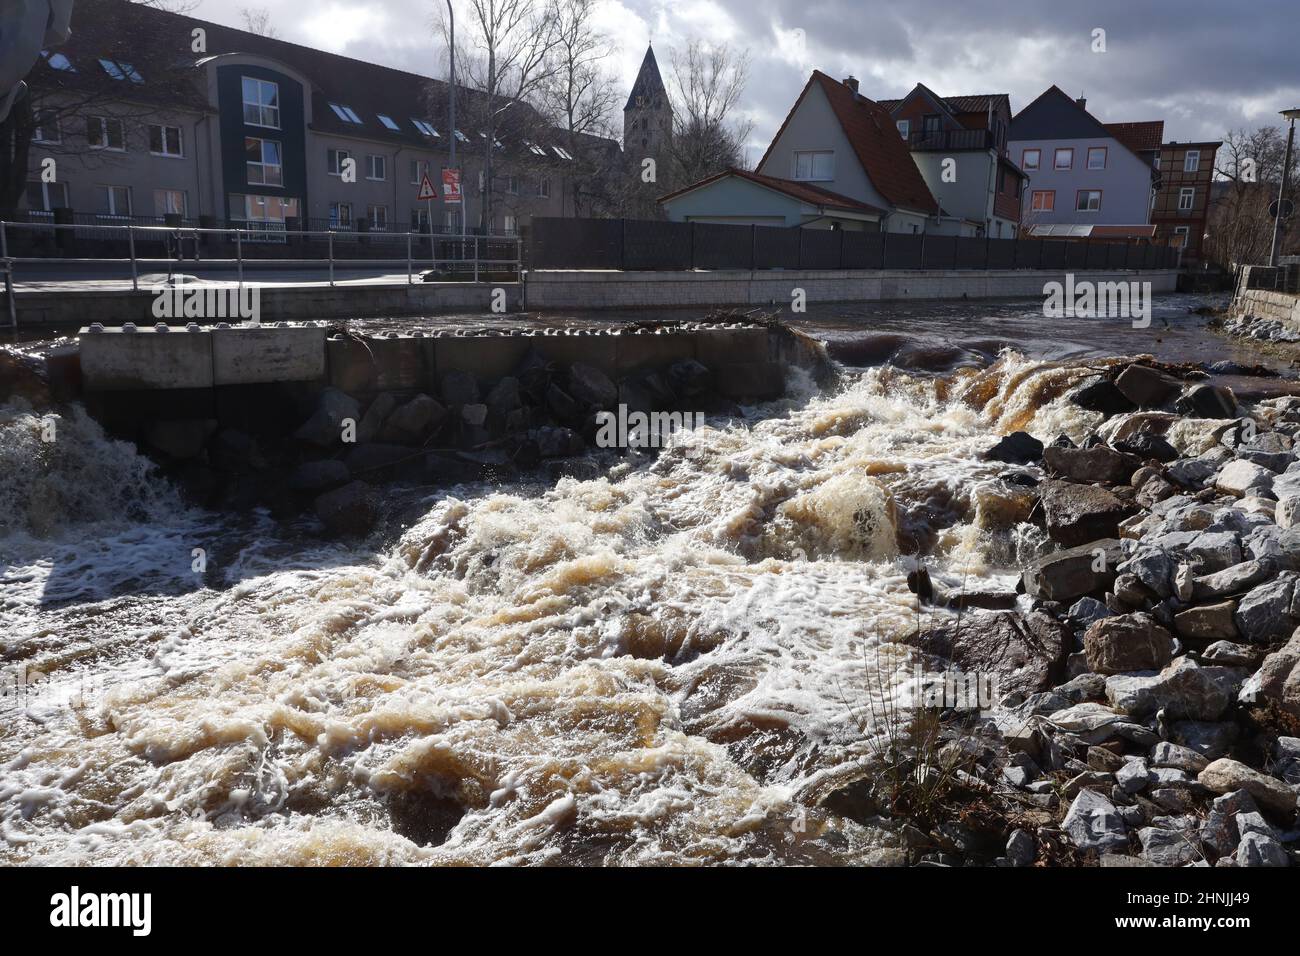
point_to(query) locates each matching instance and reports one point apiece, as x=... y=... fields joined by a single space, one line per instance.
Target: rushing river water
x=662 y=665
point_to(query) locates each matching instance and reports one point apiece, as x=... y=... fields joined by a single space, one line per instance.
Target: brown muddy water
x=664 y=665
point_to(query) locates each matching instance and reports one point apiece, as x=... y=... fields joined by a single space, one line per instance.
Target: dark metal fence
x=654 y=246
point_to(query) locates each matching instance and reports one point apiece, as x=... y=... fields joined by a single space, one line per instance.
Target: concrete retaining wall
x=278 y=303
x=199 y=371
x=632 y=290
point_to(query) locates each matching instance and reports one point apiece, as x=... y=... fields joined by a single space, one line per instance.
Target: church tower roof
x=648 y=90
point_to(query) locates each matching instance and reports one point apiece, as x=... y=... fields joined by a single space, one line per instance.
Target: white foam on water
x=648 y=667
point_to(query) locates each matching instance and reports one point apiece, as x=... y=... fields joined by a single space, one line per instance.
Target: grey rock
x=1209 y=622
x=1191 y=472
x=1154 y=568
x=1211 y=401
x=591 y=386
x=350 y=511
x=1021 y=848
x=1018 y=448
x=1127 y=642
x=1166 y=847
x=1078 y=514
x=325 y=426
x=1026 y=652
x=1184 y=690
x=1209 y=738
x=1278 y=679
x=376 y=414
x=1229 y=654
x=413 y=422
x=1236 y=579
x=1098 y=464
x=1225 y=775
x=1093 y=824
x=1166 y=754
x=1215 y=550
x=1133 y=776
x=1240 y=477
x=1265 y=614
x=1257 y=849
x=1147 y=387
x=1086 y=611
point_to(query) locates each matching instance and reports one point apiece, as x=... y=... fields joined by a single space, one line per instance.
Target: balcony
x=950 y=140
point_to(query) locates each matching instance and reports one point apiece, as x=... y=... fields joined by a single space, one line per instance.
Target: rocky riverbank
x=1153 y=713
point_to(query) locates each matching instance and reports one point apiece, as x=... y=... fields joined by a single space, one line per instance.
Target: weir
x=263 y=377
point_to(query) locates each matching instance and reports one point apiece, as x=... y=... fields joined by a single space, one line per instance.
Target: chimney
x=851 y=82
x=1082 y=103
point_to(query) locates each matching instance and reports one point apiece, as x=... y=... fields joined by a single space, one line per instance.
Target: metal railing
x=451 y=255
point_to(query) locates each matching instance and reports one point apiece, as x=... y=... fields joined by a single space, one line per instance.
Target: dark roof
x=649 y=85
x=1055 y=115
x=804 y=192
x=871 y=132
x=974 y=103
x=158 y=44
x=1141 y=137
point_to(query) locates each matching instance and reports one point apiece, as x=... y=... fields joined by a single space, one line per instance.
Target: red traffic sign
x=451 y=185
x=426 y=189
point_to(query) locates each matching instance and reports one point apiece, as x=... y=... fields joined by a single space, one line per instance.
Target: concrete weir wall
x=262 y=377
x=594 y=289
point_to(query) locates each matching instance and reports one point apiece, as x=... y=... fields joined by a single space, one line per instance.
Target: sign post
x=451 y=195
x=429 y=194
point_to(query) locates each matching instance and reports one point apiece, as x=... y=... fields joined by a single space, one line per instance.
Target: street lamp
x=1292 y=115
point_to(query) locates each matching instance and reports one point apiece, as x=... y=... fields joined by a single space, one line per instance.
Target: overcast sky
x=1203 y=67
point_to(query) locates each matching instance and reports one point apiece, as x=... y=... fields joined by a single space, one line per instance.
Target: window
x=1043 y=200
x=341 y=215
x=930 y=123
x=419 y=168
x=115 y=200
x=461 y=136
x=419 y=218
x=544 y=188
x=562 y=153
x=334 y=161
x=377 y=168
x=345 y=113
x=121 y=71
x=1064 y=159
x=1192 y=161
x=105 y=133
x=389 y=122
x=1029 y=158
x=511 y=225
x=261 y=103
x=165 y=140
x=1186 y=198
x=169 y=202
x=1097 y=157
x=262 y=161
x=512 y=185
x=451 y=221
x=58 y=61
x=424 y=127
x=47 y=128
x=378 y=216
x=904 y=128
x=814 y=165
x=1181 y=235
x=1087 y=200
x=535 y=149
x=46 y=197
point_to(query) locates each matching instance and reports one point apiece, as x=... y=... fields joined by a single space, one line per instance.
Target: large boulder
x=1076 y=514
x=317 y=476
x=325 y=426
x=1225 y=775
x=1241 y=478
x=181 y=439
x=1093 y=823
x=414 y=422
x=1278 y=679
x=1018 y=448
x=1266 y=613
x=1210 y=401
x=350 y=511
x=1096 y=465
x=1065 y=576
x=1184 y=690
x=592 y=387
x=1100 y=395
x=1127 y=642
x=1025 y=654
x=1147 y=387
x=1208 y=622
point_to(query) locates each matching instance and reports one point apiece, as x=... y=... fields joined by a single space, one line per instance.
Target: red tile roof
x=876 y=143
x=804 y=192
x=1139 y=137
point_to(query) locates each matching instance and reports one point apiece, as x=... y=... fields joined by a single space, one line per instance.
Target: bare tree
x=706 y=85
x=581 y=97
x=509 y=61
x=171 y=6
x=1249 y=169
x=258 y=20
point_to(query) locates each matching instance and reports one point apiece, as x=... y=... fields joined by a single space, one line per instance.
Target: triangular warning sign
x=426 y=189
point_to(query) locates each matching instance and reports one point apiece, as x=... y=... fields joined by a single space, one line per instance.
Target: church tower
x=648 y=116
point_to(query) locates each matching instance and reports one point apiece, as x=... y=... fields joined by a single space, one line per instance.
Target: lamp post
x=1292 y=115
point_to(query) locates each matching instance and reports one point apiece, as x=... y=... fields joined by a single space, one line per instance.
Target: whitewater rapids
x=667 y=664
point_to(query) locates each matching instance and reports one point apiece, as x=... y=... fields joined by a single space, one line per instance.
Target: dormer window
x=58 y=61
x=904 y=128
x=121 y=71
x=461 y=136
x=425 y=128
x=389 y=122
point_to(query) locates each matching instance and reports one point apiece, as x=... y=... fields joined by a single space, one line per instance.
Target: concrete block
x=598 y=351
x=715 y=347
x=750 y=380
x=487 y=357
x=379 y=364
x=249 y=355
x=633 y=352
x=113 y=360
